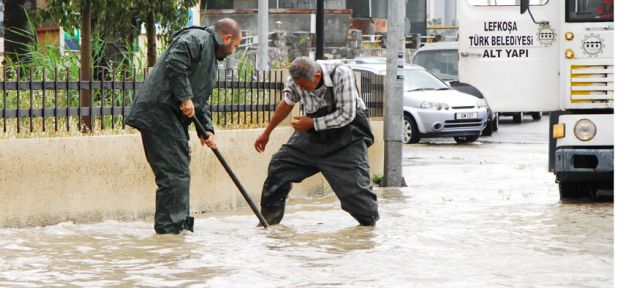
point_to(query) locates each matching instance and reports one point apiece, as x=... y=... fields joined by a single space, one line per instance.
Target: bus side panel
x=513 y=61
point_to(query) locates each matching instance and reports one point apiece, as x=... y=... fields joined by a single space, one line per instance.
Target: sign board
x=513 y=61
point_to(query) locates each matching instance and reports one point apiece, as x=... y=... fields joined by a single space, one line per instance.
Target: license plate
x=466 y=115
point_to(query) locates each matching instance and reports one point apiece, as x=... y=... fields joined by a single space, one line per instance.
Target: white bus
x=549 y=55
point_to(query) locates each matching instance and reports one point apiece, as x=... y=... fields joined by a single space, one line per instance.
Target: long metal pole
x=319 y=30
x=262 y=63
x=228 y=169
x=394 y=94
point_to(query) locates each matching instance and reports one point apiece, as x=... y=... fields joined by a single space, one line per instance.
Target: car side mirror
x=524 y=6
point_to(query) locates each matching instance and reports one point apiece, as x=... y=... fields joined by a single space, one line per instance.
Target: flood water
x=479 y=215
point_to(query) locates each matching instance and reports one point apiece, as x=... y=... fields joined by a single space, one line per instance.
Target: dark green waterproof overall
x=339 y=153
x=186 y=70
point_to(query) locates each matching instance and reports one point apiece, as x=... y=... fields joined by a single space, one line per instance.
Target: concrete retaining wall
x=45 y=181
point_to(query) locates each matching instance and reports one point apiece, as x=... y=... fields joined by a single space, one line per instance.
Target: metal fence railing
x=42 y=100
x=34 y=99
x=246 y=98
x=372 y=90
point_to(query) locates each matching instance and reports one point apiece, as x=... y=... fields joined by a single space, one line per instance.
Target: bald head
x=230 y=32
x=228 y=26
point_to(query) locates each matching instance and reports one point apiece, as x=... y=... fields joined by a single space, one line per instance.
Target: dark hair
x=228 y=26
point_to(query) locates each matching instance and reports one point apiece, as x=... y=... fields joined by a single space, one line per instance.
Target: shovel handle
x=199 y=127
x=227 y=168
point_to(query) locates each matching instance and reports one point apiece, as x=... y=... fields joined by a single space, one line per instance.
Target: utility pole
x=262 y=57
x=394 y=94
x=319 y=31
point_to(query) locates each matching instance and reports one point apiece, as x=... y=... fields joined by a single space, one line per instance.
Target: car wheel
x=488 y=130
x=574 y=190
x=517 y=118
x=410 y=130
x=465 y=139
x=495 y=123
x=536 y=116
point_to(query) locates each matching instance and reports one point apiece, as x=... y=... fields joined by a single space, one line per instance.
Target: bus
x=549 y=55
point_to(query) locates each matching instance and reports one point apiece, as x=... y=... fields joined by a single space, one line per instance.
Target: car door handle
x=469 y=54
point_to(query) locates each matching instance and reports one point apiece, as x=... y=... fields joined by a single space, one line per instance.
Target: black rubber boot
x=167 y=231
x=189 y=224
x=273 y=214
x=368 y=222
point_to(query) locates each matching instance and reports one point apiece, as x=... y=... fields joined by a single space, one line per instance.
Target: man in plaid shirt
x=332 y=138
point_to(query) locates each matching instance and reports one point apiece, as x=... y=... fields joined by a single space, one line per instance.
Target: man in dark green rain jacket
x=177 y=88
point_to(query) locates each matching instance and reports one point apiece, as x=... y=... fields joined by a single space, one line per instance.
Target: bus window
x=506 y=2
x=590 y=11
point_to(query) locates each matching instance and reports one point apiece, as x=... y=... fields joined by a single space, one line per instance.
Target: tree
x=118 y=22
x=86 y=60
x=171 y=16
x=151 y=38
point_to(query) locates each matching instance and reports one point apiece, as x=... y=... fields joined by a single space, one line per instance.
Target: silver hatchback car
x=432 y=108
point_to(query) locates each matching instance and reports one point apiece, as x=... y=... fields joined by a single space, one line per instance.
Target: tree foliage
x=118 y=22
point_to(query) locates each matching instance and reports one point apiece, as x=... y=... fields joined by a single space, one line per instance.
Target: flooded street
x=480 y=215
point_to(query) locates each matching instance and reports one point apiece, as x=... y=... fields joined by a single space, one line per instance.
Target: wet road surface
x=480 y=215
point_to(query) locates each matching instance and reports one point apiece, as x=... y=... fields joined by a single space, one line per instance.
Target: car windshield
x=418 y=79
x=442 y=63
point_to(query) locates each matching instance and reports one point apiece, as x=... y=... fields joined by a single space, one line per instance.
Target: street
x=486 y=214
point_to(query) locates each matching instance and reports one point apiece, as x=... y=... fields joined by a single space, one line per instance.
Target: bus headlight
x=585 y=129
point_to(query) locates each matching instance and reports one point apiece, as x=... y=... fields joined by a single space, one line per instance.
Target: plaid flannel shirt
x=346 y=96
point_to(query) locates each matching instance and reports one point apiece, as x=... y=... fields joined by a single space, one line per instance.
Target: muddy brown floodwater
x=479 y=215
